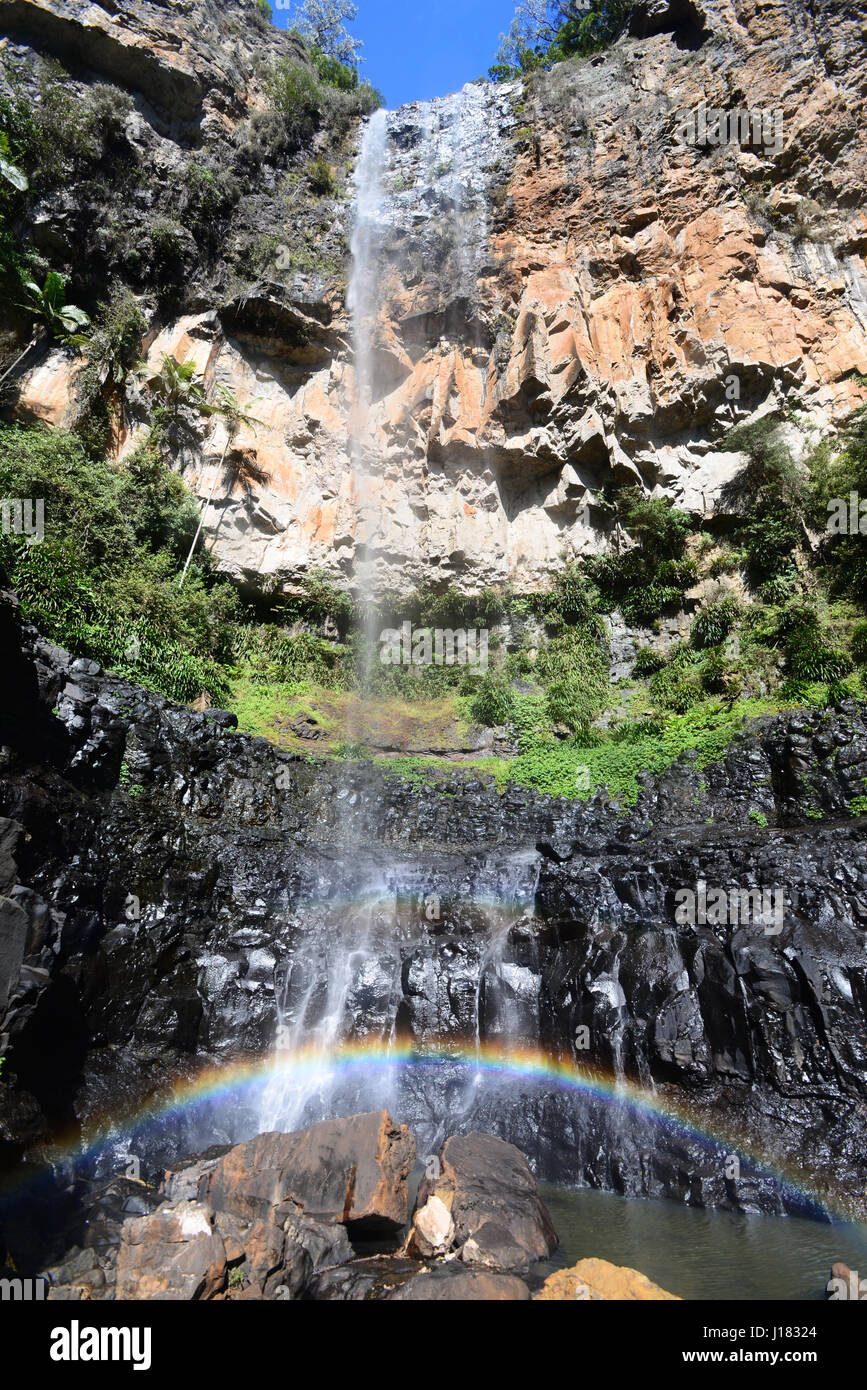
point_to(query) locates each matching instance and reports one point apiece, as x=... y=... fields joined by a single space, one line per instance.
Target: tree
x=535 y=25
x=544 y=32
x=322 y=25
x=175 y=385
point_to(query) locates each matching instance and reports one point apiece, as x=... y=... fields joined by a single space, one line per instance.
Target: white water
x=343 y=979
x=364 y=300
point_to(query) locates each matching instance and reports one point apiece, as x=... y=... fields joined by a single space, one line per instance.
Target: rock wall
x=570 y=295
x=553 y=917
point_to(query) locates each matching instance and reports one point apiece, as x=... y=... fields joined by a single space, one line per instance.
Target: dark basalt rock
x=151 y=934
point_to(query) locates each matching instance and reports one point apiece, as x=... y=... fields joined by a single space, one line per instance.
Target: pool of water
x=702 y=1254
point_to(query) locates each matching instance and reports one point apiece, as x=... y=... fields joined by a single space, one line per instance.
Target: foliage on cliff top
x=545 y=32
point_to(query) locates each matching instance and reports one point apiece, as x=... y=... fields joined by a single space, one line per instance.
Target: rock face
x=189 y=62
x=596 y=1280
x=191 y=917
x=488 y=1191
x=570 y=291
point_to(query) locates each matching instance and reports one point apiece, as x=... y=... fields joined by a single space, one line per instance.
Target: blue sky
x=418 y=49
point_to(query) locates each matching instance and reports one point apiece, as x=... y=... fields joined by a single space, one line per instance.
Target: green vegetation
x=651 y=577
x=303 y=99
x=103 y=581
x=48 y=305
x=545 y=32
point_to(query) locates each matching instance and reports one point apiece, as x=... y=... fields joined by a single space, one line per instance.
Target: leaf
x=73 y=317
x=54 y=290
x=12 y=174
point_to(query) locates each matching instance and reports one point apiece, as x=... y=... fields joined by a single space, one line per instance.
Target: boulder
x=349 y=1171
x=493 y=1247
x=489 y=1191
x=432 y=1229
x=597 y=1280
x=327 y=1245
x=174 y=1254
x=272 y=1263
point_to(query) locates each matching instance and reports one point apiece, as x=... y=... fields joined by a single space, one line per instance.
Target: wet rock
x=493 y=1247
x=80 y=1275
x=327 y=1245
x=765 y=1030
x=371 y=1279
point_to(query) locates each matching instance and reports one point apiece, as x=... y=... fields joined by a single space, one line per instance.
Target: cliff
x=173 y=888
x=570 y=294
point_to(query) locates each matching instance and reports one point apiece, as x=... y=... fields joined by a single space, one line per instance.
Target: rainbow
x=246 y=1079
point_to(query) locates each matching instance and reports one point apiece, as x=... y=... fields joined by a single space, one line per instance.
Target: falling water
x=342 y=978
x=331 y=970
x=364 y=300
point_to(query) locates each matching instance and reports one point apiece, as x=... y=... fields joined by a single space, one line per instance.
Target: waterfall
x=364 y=299
x=420 y=173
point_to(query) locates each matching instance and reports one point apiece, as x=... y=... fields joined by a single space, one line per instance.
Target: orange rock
x=598 y=1279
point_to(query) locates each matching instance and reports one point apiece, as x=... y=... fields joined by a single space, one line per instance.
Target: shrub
x=844 y=556
x=770 y=495
x=113 y=348
x=811 y=657
x=574 y=666
x=334 y=73
x=859 y=643
x=714 y=622
x=295 y=96
x=647 y=662
x=493 y=702
x=320 y=176
x=653 y=575
x=103 y=581
x=673 y=691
